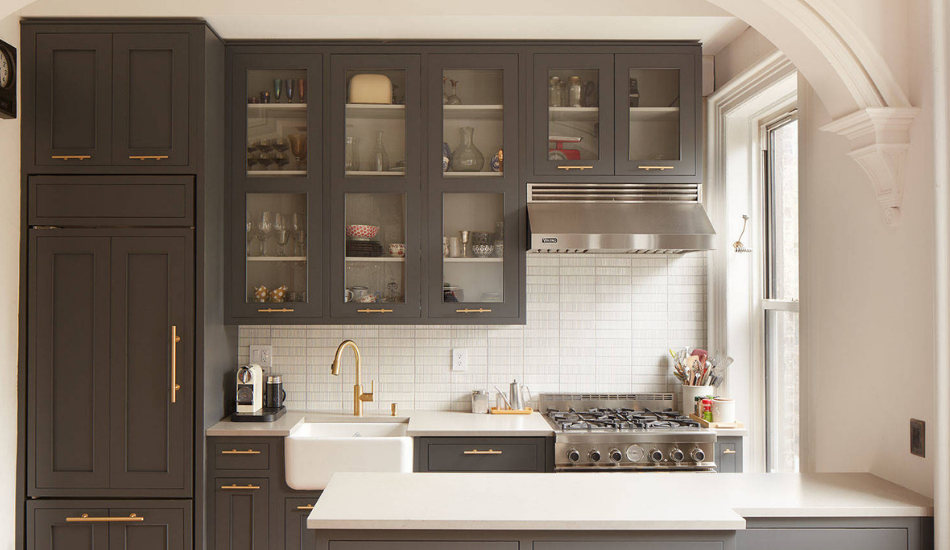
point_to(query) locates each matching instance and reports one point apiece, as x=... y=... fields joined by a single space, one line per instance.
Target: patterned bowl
x=362 y=231
x=482 y=250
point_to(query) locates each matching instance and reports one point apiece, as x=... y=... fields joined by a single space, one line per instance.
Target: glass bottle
x=351 y=154
x=575 y=91
x=379 y=161
x=467 y=157
x=454 y=98
x=554 y=92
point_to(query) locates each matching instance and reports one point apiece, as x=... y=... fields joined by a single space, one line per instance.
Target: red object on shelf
x=569 y=154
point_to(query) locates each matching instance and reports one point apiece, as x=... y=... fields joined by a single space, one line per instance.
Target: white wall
x=9 y=297
x=740 y=54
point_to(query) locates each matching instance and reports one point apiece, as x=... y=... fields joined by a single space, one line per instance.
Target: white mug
x=455 y=248
x=724 y=410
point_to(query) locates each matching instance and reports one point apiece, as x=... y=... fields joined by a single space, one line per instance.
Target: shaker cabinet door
x=68 y=358
x=160 y=529
x=152 y=375
x=73 y=99
x=240 y=514
x=48 y=529
x=150 y=123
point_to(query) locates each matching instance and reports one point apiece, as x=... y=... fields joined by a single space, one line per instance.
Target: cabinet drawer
x=484 y=455
x=241 y=456
x=807 y=539
x=112 y=200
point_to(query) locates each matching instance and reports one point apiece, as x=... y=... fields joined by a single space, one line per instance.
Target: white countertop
x=676 y=501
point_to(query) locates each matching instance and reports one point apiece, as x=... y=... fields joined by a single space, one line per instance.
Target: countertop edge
x=737 y=524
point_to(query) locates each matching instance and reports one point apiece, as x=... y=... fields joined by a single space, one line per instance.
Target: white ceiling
x=431 y=19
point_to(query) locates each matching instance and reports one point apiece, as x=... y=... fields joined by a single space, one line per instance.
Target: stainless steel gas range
x=625 y=432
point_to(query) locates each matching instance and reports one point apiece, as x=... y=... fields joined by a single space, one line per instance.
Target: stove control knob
x=594 y=455
x=676 y=455
x=635 y=453
x=697 y=454
x=656 y=455
x=573 y=455
x=616 y=455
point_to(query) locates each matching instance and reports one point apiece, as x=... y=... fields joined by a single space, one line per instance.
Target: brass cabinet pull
x=175 y=385
x=235 y=487
x=660 y=168
x=374 y=311
x=148 y=157
x=576 y=167
x=84 y=518
x=728 y=452
x=477 y=452
x=71 y=157
x=307 y=507
x=237 y=452
x=479 y=310
x=272 y=310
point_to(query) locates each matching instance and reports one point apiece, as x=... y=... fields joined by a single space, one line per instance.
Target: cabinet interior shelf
x=654 y=114
x=277 y=258
x=473 y=260
x=469 y=112
x=281 y=110
x=396 y=259
x=374 y=111
x=472 y=174
x=275 y=173
x=574 y=114
x=375 y=173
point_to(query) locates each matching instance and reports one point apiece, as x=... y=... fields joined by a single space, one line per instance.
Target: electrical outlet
x=261 y=355
x=459 y=360
x=918 y=437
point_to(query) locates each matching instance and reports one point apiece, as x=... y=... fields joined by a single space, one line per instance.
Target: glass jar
x=554 y=92
x=351 y=161
x=480 y=402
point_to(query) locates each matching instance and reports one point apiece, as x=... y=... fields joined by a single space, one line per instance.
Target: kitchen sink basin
x=316 y=451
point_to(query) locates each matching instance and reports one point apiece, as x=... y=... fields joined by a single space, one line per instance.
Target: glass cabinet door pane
x=573 y=114
x=473 y=122
x=473 y=247
x=376 y=249
x=654 y=101
x=276 y=238
x=375 y=141
x=277 y=122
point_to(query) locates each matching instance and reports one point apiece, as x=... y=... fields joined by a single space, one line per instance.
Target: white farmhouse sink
x=316 y=451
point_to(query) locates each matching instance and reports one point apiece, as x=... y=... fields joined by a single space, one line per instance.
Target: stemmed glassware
x=249 y=236
x=283 y=235
x=264 y=227
x=277 y=83
x=302 y=89
x=300 y=232
x=289 y=85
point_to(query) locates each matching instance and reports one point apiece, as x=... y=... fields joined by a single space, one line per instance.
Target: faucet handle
x=371 y=395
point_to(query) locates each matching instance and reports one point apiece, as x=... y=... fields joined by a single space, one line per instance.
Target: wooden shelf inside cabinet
x=374 y=111
x=654 y=114
x=276 y=173
x=388 y=259
x=472 y=174
x=372 y=173
x=277 y=110
x=473 y=112
x=574 y=114
x=276 y=258
x=473 y=260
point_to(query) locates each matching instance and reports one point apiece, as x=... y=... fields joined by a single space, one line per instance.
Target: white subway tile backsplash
x=595 y=323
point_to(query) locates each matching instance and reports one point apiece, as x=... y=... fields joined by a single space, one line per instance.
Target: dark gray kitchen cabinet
x=808 y=539
x=103 y=307
x=73 y=109
x=109 y=525
x=241 y=513
x=729 y=454
x=296 y=534
x=483 y=454
x=151 y=86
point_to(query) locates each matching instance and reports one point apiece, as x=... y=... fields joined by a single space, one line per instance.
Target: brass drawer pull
x=71 y=157
x=307 y=507
x=728 y=451
x=272 y=310
x=576 y=168
x=175 y=385
x=148 y=157
x=660 y=168
x=374 y=311
x=479 y=310
x=235 y=487
x=237 y=452
x=477 y=452
x=86 y=519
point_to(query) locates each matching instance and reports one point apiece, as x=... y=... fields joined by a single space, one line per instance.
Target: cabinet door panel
x=49 y=530
x=821 y=539
x=153 y=291
x=73 y=99
x=296 y=534
x=151 y=99
x=69 y=362
x=240 y=514
x=160 y=529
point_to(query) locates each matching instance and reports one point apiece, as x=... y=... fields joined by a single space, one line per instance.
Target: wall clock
x=8 y=76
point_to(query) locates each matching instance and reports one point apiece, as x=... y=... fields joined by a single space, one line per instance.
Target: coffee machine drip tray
x=264 y=414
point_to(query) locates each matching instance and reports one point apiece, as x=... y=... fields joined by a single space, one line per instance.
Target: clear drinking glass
x=264 y=227
x=379 y=161
x=248 y=235
x=351 y=161
x=298 y=225
x=281 y=232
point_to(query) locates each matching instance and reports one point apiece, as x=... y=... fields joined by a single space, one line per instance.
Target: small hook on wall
x=738 y=244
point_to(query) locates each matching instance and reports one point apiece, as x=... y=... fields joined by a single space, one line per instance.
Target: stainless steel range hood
x=618 y=219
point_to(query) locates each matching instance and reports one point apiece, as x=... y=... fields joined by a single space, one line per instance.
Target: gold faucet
x=358 y=396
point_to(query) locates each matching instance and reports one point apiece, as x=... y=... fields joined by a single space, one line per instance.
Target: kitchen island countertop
x=676 y=501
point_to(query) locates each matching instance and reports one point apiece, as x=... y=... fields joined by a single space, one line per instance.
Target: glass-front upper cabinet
x=376 y=118
x=573 y=114
x=656 y=103
x=276 y=190
x=473 y=107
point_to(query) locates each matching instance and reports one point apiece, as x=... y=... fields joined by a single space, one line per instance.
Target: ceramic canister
x=724 y=410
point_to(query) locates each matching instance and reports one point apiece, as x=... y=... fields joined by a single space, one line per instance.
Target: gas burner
x=621 y=419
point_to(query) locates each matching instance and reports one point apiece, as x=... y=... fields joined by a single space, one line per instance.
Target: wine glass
x=302 y=89
x=277 y=83
x=299 y=227
x=280 y=230
x=264 y=227
x=298 y=147
x=289 y=85
x=248 y=235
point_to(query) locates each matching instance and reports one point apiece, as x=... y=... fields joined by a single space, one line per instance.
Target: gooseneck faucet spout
x=358 y=395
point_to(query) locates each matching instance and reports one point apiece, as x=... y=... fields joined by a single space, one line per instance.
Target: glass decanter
x=467 y=157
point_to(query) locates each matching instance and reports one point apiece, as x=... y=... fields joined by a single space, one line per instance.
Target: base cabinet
x=241 y=509
x=296 y=534
x=810 y=539
x=729 y=455
x=109 y=525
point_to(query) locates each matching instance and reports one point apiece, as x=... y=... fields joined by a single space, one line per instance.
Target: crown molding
x=880 y=137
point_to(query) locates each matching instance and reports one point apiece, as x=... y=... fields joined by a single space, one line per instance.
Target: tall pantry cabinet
x=122 y=228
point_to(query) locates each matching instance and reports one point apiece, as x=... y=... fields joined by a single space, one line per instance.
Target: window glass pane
x=473 y=231
x=573 y=114
x=783 y=212
x=654 y=114
x=277 y=123
x=276 y=248
x=472 y=125
x=782 y=390
x=375 y=141
x=375 y=248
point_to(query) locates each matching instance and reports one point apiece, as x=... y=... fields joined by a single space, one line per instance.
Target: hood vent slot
x=613 y=193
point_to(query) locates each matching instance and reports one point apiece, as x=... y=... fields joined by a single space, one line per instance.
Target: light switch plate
x=918 y=437
x=261 y=355
x=459 y=360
